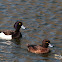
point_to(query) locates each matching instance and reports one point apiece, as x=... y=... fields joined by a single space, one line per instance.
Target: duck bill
x=50 y=45
x=22 y=27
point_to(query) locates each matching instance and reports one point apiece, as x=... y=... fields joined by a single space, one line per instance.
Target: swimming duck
x=39 y=49
x=10 y=34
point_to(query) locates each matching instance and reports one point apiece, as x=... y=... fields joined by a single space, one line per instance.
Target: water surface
x=42 y=19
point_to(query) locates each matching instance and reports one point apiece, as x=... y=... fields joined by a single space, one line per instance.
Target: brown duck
x=40 y=48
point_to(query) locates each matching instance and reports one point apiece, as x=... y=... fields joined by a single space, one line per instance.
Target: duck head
x=46 y=43
x=18 y=25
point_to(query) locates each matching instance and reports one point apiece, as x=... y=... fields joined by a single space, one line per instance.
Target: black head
x=18 y=25
x=46 y=43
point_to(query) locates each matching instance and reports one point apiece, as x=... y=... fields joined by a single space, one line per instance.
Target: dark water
x=42 y=19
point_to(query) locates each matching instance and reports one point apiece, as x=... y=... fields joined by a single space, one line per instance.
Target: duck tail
x=27 y=45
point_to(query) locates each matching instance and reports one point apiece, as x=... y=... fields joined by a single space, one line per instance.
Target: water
x=42 y=19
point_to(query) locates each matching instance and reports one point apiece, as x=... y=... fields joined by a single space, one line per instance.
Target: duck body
x=10 y=34
x=39 y=49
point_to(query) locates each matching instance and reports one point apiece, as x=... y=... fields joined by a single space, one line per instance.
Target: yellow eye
x=46 y=42
x=19 y=23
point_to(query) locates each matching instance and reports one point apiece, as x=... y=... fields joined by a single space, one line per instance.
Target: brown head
x=46 y=43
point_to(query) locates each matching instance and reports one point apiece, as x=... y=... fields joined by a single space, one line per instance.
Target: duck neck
x=17 y=30
x=45 y=45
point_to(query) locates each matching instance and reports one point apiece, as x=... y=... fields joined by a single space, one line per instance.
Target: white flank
x=6 y=37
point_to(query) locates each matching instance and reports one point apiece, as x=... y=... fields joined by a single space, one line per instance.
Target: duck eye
x=46 y=42
x=19 y=23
